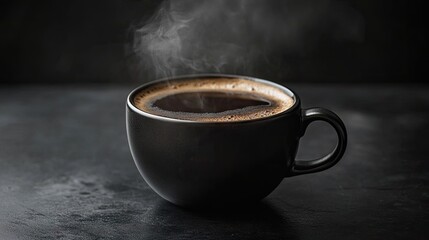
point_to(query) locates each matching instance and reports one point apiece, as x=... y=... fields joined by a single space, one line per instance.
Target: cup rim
x=211 y=75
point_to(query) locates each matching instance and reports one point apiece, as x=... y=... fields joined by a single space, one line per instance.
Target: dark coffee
x=213 y=100
x=208 y=102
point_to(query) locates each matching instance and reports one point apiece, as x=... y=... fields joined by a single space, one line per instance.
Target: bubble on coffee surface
x=213 y=100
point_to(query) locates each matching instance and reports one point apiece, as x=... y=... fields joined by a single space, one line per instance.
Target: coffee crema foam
x=275 y=100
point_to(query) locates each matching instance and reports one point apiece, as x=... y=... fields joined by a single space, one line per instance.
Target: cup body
x=201 y=163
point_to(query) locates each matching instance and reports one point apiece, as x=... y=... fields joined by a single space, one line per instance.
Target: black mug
x=199 y=164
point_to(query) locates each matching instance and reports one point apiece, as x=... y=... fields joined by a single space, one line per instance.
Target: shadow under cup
x=202 y=164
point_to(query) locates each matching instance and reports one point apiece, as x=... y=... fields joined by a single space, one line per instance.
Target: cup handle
x=315 y=114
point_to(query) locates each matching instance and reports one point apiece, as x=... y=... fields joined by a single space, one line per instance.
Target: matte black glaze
x=209 y=164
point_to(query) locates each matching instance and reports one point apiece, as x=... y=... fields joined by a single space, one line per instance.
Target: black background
x=87 y=41
x=65 y=167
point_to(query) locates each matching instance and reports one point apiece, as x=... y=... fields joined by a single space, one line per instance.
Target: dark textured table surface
x=66 y=171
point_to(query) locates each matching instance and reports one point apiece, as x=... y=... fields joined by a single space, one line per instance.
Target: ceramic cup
x=201 y=164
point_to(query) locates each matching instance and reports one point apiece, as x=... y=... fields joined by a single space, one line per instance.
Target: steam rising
x=237 y=36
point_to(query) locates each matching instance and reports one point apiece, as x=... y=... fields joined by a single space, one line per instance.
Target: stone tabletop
x=66 y=171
